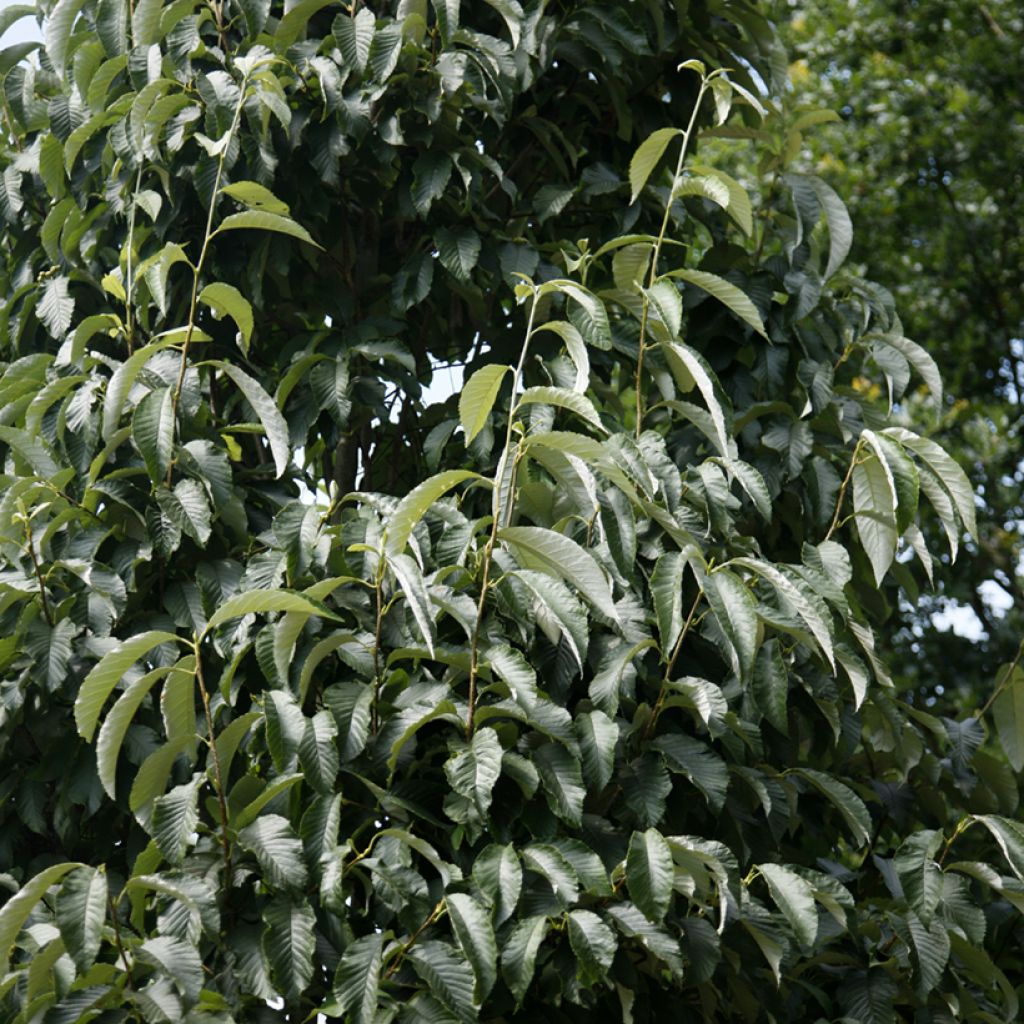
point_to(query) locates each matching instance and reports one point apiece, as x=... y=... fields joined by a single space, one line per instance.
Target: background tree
x=574 y=706
x=927 y=156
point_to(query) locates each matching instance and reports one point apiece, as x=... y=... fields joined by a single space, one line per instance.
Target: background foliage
x=561 y=697
x=927 y=155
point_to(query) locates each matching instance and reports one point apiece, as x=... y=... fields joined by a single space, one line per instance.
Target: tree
x=926 y=155
x=574 y=706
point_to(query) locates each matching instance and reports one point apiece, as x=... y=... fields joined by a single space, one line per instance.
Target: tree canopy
x=567 y=695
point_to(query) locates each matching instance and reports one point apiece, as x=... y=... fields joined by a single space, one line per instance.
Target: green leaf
x=153 y=431
x=499 y=876
x=874 y=503
x=57 y=31
x=594 y=944
x=562 y=780
x=519 y=953
x=174 y=819
x=667 y=594
x=840 y=227
x=116 y=723
x=735 y=610
x=274 y=424
x=430 y=174
x=1009 y=835
x=472 y=926
x=289 y=939
x=355 y=36
x=737 y=301
x=179 y=960
x=448 y=977
x=952 y=477
x=357 y=979
x=122 y=381
x=261 y=220
x=81 y=912
x=259 y=602
x=107 y=673
x=598 y=735
x=646 y=158
x=318 y=751
x=753 y=483
x=410 y=580
x=33 y=450
x=575 y=346
x=178 y=702
x=564 y=399
x=146 y=22
x=478 y=396
x=930 y=949
x=459 y=250
x=293 y=24
x=795 y=898
x=411 y=509
x=698 y=762
x=1008 y=712
x=286 y=726
x=278 y=850
x=919 y=875
x=868 y=996
x=650 y=873
x=689 y=367
x=474 y=771
x=151 y=778
x=560 y=614
x=796 y=595
x=225 y=298
x=550 y=863
x=257 y=197
x=849 y=805
x=771 y=685
x=551 y=552
x=738 y=207
x=15 y=912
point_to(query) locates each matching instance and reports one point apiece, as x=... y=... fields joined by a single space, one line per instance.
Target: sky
x=21 y=31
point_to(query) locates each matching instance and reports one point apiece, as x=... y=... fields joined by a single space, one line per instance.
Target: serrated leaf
x=771 y=685
x=411 y=509
x=1008 y=712
x=259 y=602
x=15 y=912
x=698 y=762
x=152 y=777
x=285 y=728
x=594 y=944
x=174 y=819
x=650 y=873
x=262 y=220
x=225 y=298
x=646 y=158
x=430 y=173
x=478 y=397
x=735 y=299
x=550 y=863
x=919 y=875
x=318 y=751
x=473 y=772
x=795 y=898
x=551 y=552
x=930 y=949
x=564 y=399
x=575 y=346
x=1009 y=835
x=257 y=197
x=57 y=31
x=81 y=912
x=33 y=450
x=874 y=503
x=274 y=424
x=278 y=850
x=598 y=736
x=499 y=876
x=849 y=805
x=563 y=610
x=472 y=926
x=107 y=673
x=735 y=610
x=289 y=938
x=448 y=977
x=357 y=979
x=410 y=580
x=153 y=431
x=355 y=36
x=562 y=780
x=519 y=953
x=459 y=250
x=689 y=367
x=179 y=960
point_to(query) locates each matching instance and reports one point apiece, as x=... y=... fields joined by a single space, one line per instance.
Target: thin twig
x=117 y=940
x=669 y=668
x=842 y=491
x=47 y=610
x=1007 y=676
x=406 y=946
